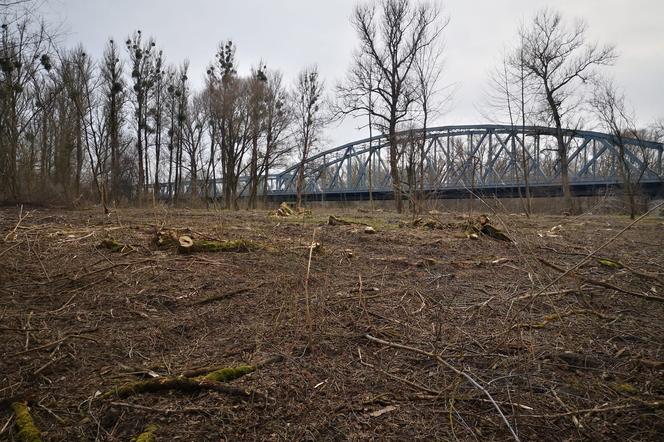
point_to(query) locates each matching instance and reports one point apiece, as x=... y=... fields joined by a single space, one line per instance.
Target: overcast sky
x=289 y=34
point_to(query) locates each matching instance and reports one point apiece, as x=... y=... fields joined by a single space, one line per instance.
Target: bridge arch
x=486 y=158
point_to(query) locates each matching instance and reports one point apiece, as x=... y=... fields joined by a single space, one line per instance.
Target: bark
x=562 y=153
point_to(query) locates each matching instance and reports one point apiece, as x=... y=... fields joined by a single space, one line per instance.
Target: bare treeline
x=552 y=76
x=131 y=126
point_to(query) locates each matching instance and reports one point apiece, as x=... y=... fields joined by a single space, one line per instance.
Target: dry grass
x=577 y=361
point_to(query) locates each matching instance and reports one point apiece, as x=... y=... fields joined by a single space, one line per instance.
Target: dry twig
x=442 y=361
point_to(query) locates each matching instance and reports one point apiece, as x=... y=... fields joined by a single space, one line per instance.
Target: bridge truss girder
x=476 y=157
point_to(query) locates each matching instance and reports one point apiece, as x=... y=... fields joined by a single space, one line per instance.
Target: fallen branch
x=113 y=245
x=187 y=245
x=10 y=248
x=210 y=381
x=161 y=410
x=204 y=370
x=591 y=254
x=59 y=341
x=554 y=317
x=21 y=217
x=336 y=221
x=148 y=434
x=442 y=361
x=228 y=295
x=657 y=404
x=618 y=265
x=174 y=383
x=439 y=397
x=547 y=294
x=598 y=283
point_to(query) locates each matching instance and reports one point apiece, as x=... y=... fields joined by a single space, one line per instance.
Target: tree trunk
x=266 y=163
x=79 y=159
x=139 y=147
x=115 y=148
x=194 y=177
x=524 y=151
x=146 y=157
x=562 y=156
x=394 y=168
x=300 y=173
x=157 y=152
x=253 y=171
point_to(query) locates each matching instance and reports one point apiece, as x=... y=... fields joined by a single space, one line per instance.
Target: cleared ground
x=582 y=358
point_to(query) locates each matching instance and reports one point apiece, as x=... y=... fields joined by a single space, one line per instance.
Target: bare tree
x=511 y=94
x=181 y=107
x=113 y=89
x=309 y=121
x=194 y=129
x=256 y=108
x=428 y=71
x=608 y=104
x=392 y=34
x=229 y=109
x=25 y=59
x=278 y=118
x=141 y=59
x=82 y=87
x=156 y=112
x=356 y=96
x=560 y=58
x=211 y=168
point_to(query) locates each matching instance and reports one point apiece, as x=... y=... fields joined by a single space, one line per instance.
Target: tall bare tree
x=156 y=112
x=77 y=74
x=256 y=108
x=392 y=34
x=229 y=109
x=428 y=72
x=141 y=59
x=278 y=118
x=113 y=89
x=181 y=109
x=25 y=58
x=560 y=58
x=194 y=129
x=309 y=118
x=608 y=104
x=510 y=94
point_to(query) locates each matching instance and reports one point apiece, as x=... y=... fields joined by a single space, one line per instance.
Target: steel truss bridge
x=483 y=159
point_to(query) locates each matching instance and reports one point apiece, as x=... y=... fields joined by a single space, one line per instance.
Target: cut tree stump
x=492 y=232
x=185 y=243
x=482 y=225
x=284 y=210
x=166 y=238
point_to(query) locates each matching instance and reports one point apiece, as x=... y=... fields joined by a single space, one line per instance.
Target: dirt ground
x=482 y=330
